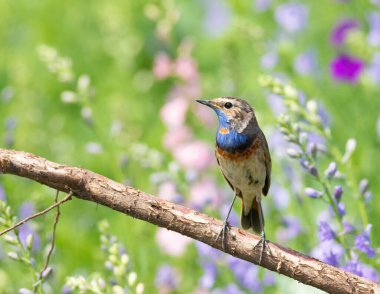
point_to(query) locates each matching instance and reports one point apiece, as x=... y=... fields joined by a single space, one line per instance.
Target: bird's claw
x=264 y=245
x=223 y=231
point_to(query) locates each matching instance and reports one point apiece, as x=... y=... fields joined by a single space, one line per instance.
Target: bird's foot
x=264 y=246
x=223 y=232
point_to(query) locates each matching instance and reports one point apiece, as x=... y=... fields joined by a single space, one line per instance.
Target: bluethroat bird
x=243 y=156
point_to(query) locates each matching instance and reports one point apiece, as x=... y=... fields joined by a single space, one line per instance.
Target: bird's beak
x=205 y=102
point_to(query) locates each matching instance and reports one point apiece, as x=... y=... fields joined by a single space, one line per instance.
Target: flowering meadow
x=110 y=86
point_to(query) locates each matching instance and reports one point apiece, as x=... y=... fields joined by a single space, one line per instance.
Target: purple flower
x=292 y=228
x=269 y=278
x=363 y=242
x=281 y=196
x=374 y=69
x=229 y=289
x=27 y=209
x=353 y=266
x=217 y=17
x=374 y=29
x=338 y=192
x=346 y=68
x=329 y=252
x=292 y=17
x=262 y=5
x=245 y=273
x=10 y=123
x=312 y=149
x=167 y=278
x=331 y=170
x=370 y=273
x=94 y=148
x=269 y=60
x=315 y=138
x=7 y=94
x=339 y=33
x=208 y=279
x=341 y=208
x=296 y=183
x=207 y=251
x=325 y=232
x=313 y=170
x=367 y=196
x=305 y=63
x=347 y=227
x=2 y=193
x=234 y=219
x=362 y=270
x=305 y=164
x=316 y=142
x=312 y=193
x=25 y=291
x=325 y=118
x=363 y=186
x=278 y=107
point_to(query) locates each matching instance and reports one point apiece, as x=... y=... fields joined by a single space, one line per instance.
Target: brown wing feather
x=268 y=164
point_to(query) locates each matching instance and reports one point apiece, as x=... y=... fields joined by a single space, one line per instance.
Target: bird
x=243 y=156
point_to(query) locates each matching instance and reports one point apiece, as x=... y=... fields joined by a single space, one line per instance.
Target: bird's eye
x=228 y=105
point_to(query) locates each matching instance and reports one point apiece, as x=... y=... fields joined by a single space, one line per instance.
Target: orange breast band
x=241 y=155
x=223 y=131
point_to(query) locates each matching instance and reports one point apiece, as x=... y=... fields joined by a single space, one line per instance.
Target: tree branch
x=90 y=186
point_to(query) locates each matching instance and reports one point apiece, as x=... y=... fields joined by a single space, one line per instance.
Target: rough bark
x=90 y=186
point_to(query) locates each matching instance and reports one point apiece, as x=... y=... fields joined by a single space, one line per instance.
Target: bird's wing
x=268 y=164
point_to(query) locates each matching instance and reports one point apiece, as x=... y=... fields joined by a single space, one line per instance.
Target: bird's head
x=233 y=114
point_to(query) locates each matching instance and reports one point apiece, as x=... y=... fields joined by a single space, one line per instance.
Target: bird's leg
x=226 y=224
x=263 y=241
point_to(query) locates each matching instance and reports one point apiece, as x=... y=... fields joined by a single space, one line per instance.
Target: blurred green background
x=115 y=44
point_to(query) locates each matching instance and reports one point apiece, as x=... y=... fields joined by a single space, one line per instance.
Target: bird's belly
x=247 y=174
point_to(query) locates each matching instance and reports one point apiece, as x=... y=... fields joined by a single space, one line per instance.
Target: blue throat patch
x=232 y=141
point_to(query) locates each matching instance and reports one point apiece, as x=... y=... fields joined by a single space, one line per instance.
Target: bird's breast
x=233 y=142
x=238 y=153
x=244 y=170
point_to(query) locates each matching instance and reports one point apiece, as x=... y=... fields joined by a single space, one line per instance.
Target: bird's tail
x=252 y=219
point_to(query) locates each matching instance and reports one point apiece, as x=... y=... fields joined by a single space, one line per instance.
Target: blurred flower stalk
x=304 y=126
x=81 y=93
x=118 y=277
x=21 y=246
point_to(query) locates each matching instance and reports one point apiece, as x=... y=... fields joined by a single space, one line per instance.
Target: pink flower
x=206 y=116
x=186 y=68
x=177 y=136
x=204 y=192
x=173 y=113
x=171 y=242
x=162 y=66
x=194 y=155
x=191 y=89
x=168 y=191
